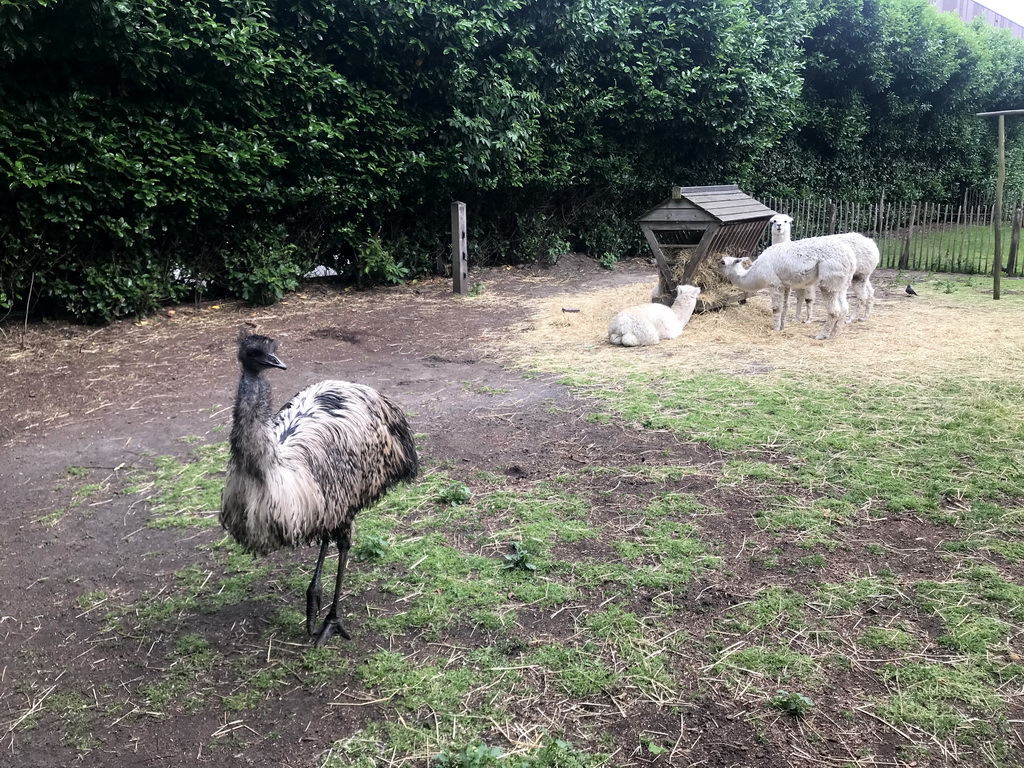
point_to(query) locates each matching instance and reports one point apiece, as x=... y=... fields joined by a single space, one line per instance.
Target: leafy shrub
x=795 y=704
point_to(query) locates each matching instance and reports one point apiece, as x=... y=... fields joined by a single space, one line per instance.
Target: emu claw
x=332 y=626
x=314 y=596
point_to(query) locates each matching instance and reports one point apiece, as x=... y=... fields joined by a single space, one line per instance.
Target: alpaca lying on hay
x=864 y=249
x=826 y=262
x=647 y=324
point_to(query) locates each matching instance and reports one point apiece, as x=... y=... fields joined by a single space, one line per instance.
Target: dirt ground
x=106 y=399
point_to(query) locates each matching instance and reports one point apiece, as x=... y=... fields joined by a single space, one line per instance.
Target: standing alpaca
x=864 y=249
x=825 y=262
x=301 y=475
x=646 y=324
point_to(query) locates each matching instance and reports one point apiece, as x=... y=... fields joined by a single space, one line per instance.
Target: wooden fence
x=933 y=237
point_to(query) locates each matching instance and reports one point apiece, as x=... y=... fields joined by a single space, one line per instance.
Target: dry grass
x=905 y=338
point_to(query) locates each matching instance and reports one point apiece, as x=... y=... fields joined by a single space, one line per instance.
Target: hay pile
x=904 y=339
x=715 y=289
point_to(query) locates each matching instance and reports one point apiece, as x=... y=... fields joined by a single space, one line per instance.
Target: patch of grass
x=71 y=708
x=185 y=677
x=641 y=648
x=951 y=702
x=878 y=638
x=774 y=664
x=842 y=597
x=772 y=607
x=255 y=689
x=977 y=606
x=54 y=517
x=322 y=665
x=185 y=492
x=907 y=446
x=484 y=389
x=739 y=471
x=579 y=671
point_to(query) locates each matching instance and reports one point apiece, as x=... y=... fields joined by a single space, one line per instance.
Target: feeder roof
x=723 y=204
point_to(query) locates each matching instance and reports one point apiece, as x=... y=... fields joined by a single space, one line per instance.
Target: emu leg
x=332 y=624
x=314 y=593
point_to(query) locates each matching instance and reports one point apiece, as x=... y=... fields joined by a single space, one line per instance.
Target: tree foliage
x=155 y=149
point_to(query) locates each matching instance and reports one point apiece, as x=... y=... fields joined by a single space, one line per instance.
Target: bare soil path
x=81 y=404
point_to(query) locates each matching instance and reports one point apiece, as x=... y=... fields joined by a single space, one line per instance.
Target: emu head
x=256 y=353
x=780 y=223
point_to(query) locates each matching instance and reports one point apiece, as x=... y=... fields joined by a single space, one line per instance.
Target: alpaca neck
x=679 y=307
x=251 y=442
x=747 y=279
x=780 y=237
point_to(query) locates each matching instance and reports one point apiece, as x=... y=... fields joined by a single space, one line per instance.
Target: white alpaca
x=826 y=262
x=864 y=250
x=647 y=324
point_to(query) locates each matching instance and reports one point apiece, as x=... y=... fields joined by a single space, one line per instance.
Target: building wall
x=969 y=9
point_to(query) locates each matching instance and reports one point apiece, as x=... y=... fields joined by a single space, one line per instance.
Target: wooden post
x=905 y=255
x=832 y=220
x=997 y=218
x=666 y=284
x=460 y=255
x=1000 y=178
x=1011 y=259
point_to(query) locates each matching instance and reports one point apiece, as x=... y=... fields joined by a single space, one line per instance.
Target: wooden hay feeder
x=695 y=222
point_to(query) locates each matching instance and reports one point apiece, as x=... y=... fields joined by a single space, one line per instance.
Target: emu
x=300 y=476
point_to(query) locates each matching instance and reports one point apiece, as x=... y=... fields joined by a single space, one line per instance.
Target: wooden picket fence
x=934 y=237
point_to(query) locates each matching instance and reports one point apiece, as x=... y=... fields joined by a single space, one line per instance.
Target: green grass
x=857 y=547
x=967 y=249
x=184 y=492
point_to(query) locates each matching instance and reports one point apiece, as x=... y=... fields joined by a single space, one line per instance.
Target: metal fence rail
x=933 y=237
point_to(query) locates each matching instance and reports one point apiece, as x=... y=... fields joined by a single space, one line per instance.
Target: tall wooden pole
x=460 y=267
x=997 y=262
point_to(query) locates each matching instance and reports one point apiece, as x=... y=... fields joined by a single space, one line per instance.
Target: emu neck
x=251 y=445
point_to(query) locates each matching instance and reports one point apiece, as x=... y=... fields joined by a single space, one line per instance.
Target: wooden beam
x=700 y=253
x=460 y=256
x=667 y=283
x=997 y=219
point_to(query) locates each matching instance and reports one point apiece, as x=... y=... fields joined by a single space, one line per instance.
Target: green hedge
x=154 y=149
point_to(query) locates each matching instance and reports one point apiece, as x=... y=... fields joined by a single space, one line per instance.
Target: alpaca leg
x=834 y=307
x=860 y=292
x=800 y=298
x=314 y=594
x=809 y=306
x=779 y=301
x=332 y=624
x=867 y=299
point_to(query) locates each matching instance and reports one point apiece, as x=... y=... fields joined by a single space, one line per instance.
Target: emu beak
x=275 y=361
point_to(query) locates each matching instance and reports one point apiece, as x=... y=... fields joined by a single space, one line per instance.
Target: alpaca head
x=257 y=353
x=687 y=291
x=728 y=265
x=782 y=226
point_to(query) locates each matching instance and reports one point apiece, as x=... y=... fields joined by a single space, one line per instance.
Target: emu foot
x=314 y=596
x=332 y=626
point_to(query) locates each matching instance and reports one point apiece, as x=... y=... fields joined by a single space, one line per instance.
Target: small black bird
x=911 y=291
